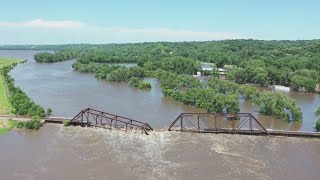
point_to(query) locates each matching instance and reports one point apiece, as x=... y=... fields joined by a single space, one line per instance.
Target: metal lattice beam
x=93 y=117
x=241 y=123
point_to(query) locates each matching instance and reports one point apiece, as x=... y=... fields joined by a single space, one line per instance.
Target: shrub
x=318 y=125
x=12 y=123
x=317 y=113
x=144 y=85
x=49 y=111
x=34 y=123
x=66 y=122
x=16 y=124
x=134 y=82
x=20 y=124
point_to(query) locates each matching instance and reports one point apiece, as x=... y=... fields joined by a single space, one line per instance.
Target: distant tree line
x=21 y=103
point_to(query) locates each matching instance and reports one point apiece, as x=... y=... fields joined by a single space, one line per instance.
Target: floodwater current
x=56 y=152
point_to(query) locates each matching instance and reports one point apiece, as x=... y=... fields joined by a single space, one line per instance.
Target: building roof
x=207 y=68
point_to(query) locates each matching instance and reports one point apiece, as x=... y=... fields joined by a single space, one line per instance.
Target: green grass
x=5 y=106
x=66 y=122
x=4 y=61
x=3 y=130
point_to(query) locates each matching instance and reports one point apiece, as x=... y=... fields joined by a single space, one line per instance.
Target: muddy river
x=56 y=152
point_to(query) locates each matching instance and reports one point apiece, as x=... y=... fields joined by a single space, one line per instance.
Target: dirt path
x=6 y=118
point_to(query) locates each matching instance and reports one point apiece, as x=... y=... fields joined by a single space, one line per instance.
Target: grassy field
x=4 y=102
x=3 y=127
x=3 y=130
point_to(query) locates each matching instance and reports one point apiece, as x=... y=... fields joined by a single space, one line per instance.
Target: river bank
x=5 y=106
x=16 y=101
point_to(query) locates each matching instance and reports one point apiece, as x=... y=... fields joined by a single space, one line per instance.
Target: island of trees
x=55 y=57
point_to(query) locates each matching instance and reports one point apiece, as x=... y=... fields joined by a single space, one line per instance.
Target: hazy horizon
x=98 y=22
x=153 y=42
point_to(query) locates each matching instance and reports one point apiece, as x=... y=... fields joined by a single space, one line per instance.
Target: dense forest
x=289 y=63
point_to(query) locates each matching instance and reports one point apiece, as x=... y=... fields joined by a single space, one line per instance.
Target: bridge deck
x=55 y=120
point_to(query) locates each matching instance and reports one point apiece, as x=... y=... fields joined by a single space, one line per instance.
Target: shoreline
x=5 y=106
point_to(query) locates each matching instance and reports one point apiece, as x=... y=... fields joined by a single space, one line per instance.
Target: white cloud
x=40 y=23
x=178 y=33
x=41 y=31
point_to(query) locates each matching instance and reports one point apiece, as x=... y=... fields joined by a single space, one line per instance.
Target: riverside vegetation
x=34 y=123
x=15 y=101
x=20 y=102
x=5 y=106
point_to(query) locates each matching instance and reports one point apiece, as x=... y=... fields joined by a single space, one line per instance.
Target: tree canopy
x=287 y=63
x=56 y=57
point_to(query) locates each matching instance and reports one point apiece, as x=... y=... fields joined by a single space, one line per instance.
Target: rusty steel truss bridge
x=96 y=118
x=240 y=123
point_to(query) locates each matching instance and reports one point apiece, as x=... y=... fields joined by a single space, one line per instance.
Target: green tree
x=134 y=82
x=317 y=113
x=144 y=85
x=318 y=125
x=49 y=112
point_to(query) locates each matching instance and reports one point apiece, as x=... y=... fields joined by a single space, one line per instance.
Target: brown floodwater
x=55 y=152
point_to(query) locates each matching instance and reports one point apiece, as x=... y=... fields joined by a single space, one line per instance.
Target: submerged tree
x=317 y=113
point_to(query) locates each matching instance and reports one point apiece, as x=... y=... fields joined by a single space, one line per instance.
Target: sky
x=127 y=21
